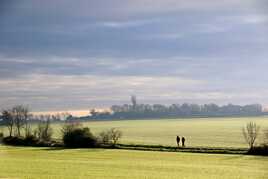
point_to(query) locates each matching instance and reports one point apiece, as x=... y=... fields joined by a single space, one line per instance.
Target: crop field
x=206 y=132
x=217 y=132
x=45 y=163
x=209 y=132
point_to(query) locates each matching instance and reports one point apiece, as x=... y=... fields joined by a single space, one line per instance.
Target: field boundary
x=212 y=150
x=159 y=148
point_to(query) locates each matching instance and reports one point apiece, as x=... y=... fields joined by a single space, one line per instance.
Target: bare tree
x=115 y=135
x=44 y=130
x=68 y=126
x=251 y=132
x=8 y=121
x=110 y=136
x=20 y=114
x=28 y=129
x=104 y=137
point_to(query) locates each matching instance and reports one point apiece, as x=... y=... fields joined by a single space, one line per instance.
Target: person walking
x=183 y=141
x=178 y=141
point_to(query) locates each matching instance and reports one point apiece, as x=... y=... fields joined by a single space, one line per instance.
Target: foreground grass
x=44 y=163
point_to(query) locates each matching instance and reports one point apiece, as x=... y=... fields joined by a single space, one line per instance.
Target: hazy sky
x=66 y=54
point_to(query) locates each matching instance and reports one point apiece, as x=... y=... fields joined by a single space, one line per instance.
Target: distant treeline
x=147 y=111
x=35 y=118
x=142 y=111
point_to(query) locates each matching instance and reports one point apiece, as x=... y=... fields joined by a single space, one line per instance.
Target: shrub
x=30 y=140
x=104 y=137
x=115 y=135
x=260 y=150
x=18 y=141
x=1 y=136
x=70 y=126
x=77 y=137
x=111 y=136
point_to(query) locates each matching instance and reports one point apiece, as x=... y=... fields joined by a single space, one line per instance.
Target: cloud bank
x=78 y=54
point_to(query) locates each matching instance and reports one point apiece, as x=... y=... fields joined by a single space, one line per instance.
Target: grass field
x=214 y=132
x=44 y=163
x=208 y=132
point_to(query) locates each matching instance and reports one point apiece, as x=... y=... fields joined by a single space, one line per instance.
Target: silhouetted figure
x=183 y=141
x=178 y=141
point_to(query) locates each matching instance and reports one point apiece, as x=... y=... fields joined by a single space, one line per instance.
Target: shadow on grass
x=54 y=148
x=160 y=148
x=73 y=149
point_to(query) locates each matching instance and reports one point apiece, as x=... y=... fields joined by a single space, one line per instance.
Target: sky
x=71 y=55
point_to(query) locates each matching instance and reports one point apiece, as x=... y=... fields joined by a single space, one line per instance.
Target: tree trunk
x=10 y=131
x=18 y=128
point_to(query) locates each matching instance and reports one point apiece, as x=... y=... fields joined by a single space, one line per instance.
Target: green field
x=31 y=163
x=206 y=132
x=41 y=163
x=217 y=132
x=209 y=132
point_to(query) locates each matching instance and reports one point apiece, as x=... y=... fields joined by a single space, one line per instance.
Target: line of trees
x=185 y=109
x=19 y=123
x=15 y=119
x=136 y=111
x=18 y=120
x=25 y=129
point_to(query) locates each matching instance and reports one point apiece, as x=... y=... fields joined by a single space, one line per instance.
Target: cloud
x=80 y=53
x=255 y=19
x=126 y=24
x=118 y=9
x=107 y=81
x=37 y=90
x=246 y=19
x=53 y=92
x=129 y=28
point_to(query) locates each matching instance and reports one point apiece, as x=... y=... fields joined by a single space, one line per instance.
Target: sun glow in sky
x=73 y=55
